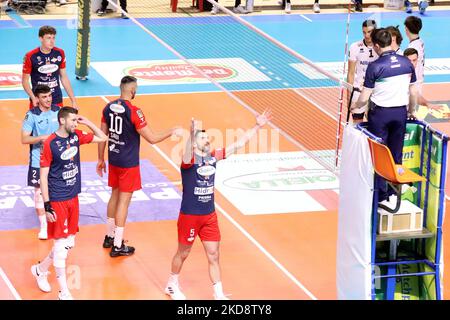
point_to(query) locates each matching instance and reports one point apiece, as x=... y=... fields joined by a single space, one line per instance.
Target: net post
x=83 y=34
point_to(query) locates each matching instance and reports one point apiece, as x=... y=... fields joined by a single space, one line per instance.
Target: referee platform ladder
x=407 y=237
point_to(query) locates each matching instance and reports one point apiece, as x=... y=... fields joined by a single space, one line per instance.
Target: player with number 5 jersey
x=124 y=124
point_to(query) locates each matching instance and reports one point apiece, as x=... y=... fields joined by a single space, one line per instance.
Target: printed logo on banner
x=268 y=183
x=10 y=80
x=163 y=72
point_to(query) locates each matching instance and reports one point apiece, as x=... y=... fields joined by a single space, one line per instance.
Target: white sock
x=43 y=221
x=110 y=226
x=61 y=277
x=218 y=291
x=118 y=237
x=173 y=278
x=46 y=263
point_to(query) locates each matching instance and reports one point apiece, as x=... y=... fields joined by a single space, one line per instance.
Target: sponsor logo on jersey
x=176 y=71
x=206 y=171
x=48 y=68
x=202 y=191
x=10 y=79
x=117 y=108
x=70 y=174
x=69 y=153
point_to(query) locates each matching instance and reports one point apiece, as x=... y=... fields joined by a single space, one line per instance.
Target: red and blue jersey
x=62 y=155
x=123 y=120
x=44 y=68
x=198 y=183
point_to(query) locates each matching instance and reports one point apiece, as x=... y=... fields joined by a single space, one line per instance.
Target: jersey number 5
x=115 y=123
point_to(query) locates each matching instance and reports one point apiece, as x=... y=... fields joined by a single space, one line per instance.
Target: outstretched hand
x=263 y=118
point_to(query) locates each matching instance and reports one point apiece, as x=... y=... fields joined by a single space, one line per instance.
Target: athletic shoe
x=124 y=250
x=408 y=7
x=215 y=10
x=358 y=7
x=108 y=242
x=423 y=5
x=61 y=2
x=173 y=290
x=239 y=9
x=65 y=296
x=42 y=235
x=316 y=7
x=124 y=16
x=41 y=278
x=220 y=297
x=287 y=9
x=100 y=12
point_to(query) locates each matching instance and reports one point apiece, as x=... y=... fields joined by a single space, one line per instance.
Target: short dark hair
x=394 y=31
x=127 y=79
x=46 y=30
x=413 y=24
x=41 y=88
x=381 y=37
x=410 y=52
x=369 y=23
x=64 y=112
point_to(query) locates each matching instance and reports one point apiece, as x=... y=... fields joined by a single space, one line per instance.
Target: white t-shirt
x=420 y=47
x=362 y=55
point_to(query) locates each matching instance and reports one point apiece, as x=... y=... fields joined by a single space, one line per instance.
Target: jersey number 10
x=115 y=123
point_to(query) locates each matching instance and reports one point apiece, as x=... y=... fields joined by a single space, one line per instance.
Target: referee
x=390 y=83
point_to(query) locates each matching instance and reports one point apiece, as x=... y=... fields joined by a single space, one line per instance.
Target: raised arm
x=261 y=120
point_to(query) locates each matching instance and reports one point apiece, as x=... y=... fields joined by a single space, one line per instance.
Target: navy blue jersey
x=123 y=120
x=390 y=77
x=45 y=69
x=198 y=183
x=62 y=155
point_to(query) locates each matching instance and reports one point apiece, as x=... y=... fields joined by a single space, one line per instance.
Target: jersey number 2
x=115 y=124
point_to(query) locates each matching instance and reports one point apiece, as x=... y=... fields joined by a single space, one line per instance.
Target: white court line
x=244 y=232
x=9 y=284
x=305 y=17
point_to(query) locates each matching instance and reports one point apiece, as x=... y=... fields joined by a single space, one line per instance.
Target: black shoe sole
x=118 y=254
x=107 y=246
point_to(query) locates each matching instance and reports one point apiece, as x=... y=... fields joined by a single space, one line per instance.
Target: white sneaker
x=65 y=296
x=215 y=10
x=62 y=1
x=42 y=235
x=239 y=9
x=287 y=9
x=173 y=290
x=316 y=8
x=220 y=297
x=41 y=278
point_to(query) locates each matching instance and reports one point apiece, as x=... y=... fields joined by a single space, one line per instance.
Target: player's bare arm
x=101 y=166
x=413 y=93
x=261 y=120
x=156 y=137
x=27 y=87
x=27 y=138
x=51 y=216
x=99 y=135
x=68 y=87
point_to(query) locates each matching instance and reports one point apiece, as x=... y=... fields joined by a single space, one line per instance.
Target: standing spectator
x=45 y=65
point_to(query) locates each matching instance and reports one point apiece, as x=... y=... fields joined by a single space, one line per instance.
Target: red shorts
x=67 y=216
x=126 y=179
x=57 y=104
x=191 y=225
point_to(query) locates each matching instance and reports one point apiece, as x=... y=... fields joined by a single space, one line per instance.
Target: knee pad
x=38 y=200
x=60 y=252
